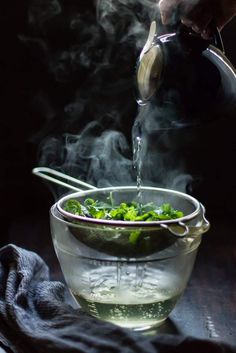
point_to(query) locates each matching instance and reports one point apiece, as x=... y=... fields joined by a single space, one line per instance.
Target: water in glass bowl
x=136 y=296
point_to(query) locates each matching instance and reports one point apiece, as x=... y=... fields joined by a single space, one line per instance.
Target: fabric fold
x=34 y=317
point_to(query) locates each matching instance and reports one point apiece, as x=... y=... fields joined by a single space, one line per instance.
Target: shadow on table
x=168 y=327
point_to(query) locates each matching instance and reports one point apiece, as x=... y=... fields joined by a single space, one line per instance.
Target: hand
x=198 y=14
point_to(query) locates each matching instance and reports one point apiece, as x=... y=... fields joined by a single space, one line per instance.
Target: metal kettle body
x=187 y=76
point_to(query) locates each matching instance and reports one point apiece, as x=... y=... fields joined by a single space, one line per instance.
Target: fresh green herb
x=125 y=211
x=130 y=211
x=133 y=237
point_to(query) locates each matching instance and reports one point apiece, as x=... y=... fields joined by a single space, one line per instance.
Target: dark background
x=37 y=88
x=50 y=85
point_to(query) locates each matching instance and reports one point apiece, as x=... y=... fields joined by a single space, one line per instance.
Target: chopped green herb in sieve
x=125 y=211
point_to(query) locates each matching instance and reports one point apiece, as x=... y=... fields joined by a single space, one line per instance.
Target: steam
x=99 y=157
x=89 y=54
x=42 y=11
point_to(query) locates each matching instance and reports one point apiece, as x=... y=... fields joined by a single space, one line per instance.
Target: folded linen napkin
x=34 y=317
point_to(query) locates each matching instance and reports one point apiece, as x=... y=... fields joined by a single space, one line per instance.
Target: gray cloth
x=35 y=318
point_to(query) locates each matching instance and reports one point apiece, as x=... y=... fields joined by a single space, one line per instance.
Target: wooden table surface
x=208 y=307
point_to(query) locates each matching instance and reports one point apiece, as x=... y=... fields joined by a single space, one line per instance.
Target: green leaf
x=117 y=214
x=131 y=214
x=73 y=206
x=100 y=214
x=131 y=211
x=133 y=238
x=89 y=202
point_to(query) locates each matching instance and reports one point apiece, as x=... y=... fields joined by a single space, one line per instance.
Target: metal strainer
x=114 y=236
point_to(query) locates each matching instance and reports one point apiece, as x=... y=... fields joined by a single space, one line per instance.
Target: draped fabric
x=34 y=317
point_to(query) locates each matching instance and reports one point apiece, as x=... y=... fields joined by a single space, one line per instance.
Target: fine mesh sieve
x=115 y=236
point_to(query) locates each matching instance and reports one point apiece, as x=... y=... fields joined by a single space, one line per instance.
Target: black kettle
x=181 y=73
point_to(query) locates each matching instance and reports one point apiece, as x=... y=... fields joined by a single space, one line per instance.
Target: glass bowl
x=128 y=273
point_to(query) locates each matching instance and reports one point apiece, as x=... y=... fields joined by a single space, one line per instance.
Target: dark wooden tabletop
x=207 y=308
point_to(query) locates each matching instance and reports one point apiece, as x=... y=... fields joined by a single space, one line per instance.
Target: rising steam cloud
x=89 y=52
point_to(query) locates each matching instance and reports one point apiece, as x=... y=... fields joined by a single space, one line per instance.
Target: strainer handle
x=57 y=178
x=182 y=226
x=205 y=225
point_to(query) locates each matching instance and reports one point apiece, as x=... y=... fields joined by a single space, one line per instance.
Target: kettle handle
x=217 y=39
x=178 y=26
